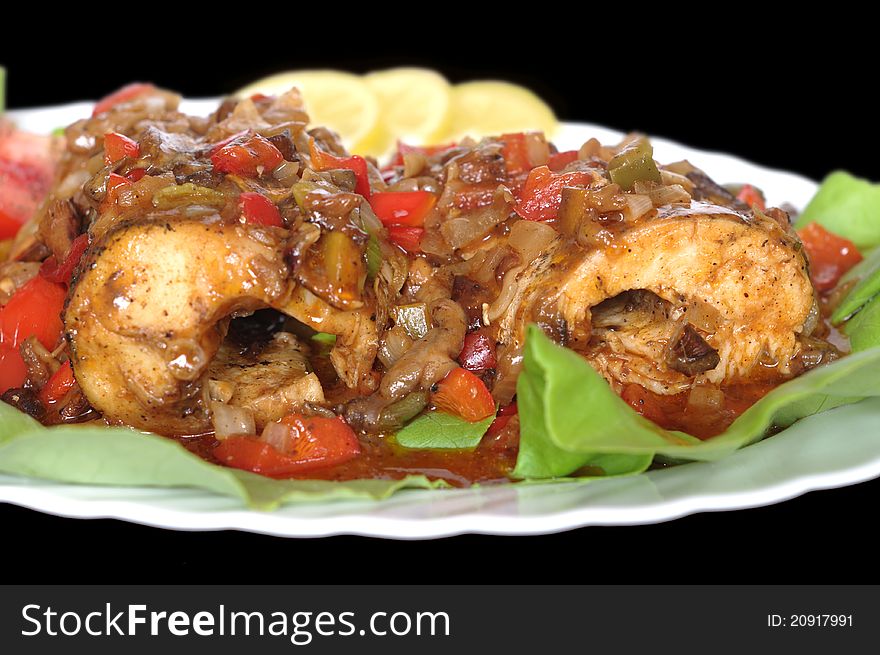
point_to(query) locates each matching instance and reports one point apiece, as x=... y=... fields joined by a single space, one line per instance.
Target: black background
x=783 y=93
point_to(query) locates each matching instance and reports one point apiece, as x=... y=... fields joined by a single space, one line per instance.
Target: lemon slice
x=414 y=106
x=341 y=101
x=486 y=108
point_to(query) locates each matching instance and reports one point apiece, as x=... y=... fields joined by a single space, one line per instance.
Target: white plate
x=833 y=449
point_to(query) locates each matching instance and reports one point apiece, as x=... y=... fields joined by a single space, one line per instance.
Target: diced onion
x=368 y=219
x=537 y=148
x=413 y=164
x=229 y=420
x=589 y=149
x=395 y=342
x=220 y=390
x=277 y=435
x=459 y=232
x=682 y=167
x=530 y=238
x=606 y=199
x=71 y=184
x=287 y=172
x=669 y=178
x=406 y=184
x=637 y=206
x=484 y=270
x=703 y=316
x=667 y=195
x=704 y=397
x=508 y=291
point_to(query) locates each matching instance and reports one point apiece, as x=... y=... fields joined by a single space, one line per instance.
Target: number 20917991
x=810 y=621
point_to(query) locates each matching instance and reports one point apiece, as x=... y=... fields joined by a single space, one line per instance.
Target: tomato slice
x=324 y=161
x=61 y=382
x=541 y=196
x=258 y=209
x=62 y=274
x=118 y=146
x=830 y=255
x=408 y=238
x=462 y=393
x=560 y=160
x=403 y=207
x=23 y=185
x=247 y=154
x=316 y=442
x=125 y=94
x=478 y=352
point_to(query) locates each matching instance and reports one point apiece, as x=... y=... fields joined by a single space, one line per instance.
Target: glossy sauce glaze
x=381 y=459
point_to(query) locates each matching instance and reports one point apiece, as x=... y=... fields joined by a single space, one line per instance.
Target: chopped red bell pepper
x=117 y=146
x=478 y=352
x=125 y=94
x=560 y=160
x=541 y=196
x=403 y=207
x=137 y=174
x=830 y=256
x=62 y=274
x=13 y=372
x=752 y=197
x=315 y=442
x=408 y=238
x=34 y=310
x=225 y=142
x=463 y=394
x=258 y=209
x=115 y=182
x=324 y=161
x=248 y=154
x=515 y=153
x=504 y=415
x=61 y=382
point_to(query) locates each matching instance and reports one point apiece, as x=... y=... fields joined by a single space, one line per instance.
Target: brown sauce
x=381 y=459
x=674 y=413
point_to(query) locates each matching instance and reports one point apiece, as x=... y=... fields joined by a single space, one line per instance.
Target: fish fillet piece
x=748 y=272
x=271 y=381
x=150 y=308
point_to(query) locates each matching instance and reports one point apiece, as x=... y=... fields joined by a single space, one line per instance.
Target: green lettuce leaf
x=569 y=413
x=866 y=275
x=848 y=206
x=863 y=329
x=440 y=430
x=539 y=456
x=124 y=457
